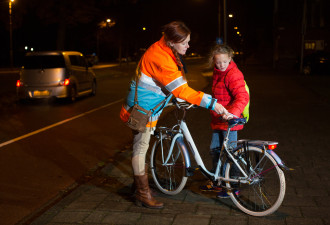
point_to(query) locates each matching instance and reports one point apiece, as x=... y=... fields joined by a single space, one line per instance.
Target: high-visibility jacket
x=160 y=76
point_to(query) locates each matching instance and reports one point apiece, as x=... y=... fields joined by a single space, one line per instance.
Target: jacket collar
x=162 y=44
x=231 y=65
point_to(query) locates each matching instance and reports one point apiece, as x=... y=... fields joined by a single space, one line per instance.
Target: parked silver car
x=60 y=74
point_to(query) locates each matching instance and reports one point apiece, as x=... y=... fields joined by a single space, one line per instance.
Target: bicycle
x=258 y=175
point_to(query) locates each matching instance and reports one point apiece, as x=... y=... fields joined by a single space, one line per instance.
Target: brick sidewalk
x=106 y=199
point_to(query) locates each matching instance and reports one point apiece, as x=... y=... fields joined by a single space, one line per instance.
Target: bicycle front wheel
x=262 y=192
x=168 y=166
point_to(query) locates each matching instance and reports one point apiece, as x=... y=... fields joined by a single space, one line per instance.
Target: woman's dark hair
x=175 y=32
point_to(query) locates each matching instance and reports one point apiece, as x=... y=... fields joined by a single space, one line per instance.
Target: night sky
x=73 y=25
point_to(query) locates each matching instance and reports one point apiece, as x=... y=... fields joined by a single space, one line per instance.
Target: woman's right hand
x=218 y=108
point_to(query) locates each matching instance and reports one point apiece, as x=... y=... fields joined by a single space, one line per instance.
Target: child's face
x=222 y=61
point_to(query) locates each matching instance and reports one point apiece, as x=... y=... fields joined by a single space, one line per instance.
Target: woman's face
x=222 y=61
x=182 y=47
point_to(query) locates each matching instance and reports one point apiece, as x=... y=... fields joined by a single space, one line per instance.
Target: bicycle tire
x=170 y=178
x=265 y=192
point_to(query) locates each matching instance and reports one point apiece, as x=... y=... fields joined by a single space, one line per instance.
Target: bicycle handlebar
x=181 y=104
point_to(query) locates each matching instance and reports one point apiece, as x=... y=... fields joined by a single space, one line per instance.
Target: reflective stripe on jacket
x=161 y=75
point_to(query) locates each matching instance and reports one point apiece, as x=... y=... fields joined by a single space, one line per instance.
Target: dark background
x=271 y=30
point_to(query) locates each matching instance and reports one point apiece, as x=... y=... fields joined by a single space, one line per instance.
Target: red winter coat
x=234 y=98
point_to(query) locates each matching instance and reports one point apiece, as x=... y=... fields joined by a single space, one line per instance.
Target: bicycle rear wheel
x=168 y=167
x=264 y=192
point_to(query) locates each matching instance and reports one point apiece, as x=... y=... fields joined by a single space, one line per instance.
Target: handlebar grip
x=235 y=122
x=233 y=115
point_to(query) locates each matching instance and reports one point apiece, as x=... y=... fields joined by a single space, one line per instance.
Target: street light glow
x=106 y=23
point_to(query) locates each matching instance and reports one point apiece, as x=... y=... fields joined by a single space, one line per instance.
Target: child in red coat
x=228 y=87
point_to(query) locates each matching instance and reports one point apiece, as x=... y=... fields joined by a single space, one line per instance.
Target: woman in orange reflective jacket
x=161 y=74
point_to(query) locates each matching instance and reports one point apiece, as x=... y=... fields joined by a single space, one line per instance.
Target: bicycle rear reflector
x=271 y=146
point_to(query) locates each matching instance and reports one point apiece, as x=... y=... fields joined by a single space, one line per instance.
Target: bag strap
x=159 y=104
x=136 y=87
x=137 y=76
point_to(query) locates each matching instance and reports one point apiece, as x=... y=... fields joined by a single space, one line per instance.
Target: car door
x=78 y=71
x=85 y=76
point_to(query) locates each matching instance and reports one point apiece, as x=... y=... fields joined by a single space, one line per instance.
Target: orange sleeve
x=162 y=67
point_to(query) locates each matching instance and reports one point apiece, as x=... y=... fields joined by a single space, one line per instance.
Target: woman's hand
x=218 y=108
x=227 y=116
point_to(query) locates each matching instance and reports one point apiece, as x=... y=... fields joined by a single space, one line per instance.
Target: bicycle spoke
x=168 y=167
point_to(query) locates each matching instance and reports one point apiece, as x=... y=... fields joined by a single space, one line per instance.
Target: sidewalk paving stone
x=192 y=219
x=266 y=220
x=121 y=218
x=304 y=221
x=159 y=219
x=228 y=220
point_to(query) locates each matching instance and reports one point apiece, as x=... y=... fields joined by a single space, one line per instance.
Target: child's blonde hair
x=220 y=49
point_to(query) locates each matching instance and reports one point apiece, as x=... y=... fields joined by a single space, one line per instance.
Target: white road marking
x=57 y=124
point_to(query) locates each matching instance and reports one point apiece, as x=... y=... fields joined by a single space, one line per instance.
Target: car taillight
x=19 y=83
x=65 y=82
x=271 y=146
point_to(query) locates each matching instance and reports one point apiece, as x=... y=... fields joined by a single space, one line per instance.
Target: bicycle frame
x=178 y=138
x=184 y=132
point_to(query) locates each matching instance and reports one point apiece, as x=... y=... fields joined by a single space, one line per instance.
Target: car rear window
x=44 y=62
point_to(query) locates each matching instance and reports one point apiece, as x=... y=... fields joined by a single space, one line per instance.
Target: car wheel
x=93 y=93
x=73 y=94
x=21 y=100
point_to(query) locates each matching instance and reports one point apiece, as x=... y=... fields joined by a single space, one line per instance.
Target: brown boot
x=133 y=187
x=143 y=194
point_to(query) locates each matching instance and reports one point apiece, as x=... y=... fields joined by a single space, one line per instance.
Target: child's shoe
x=210 y=187
x=224 y=194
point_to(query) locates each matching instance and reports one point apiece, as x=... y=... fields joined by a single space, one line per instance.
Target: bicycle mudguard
x=278 y=160
x=185 y=152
